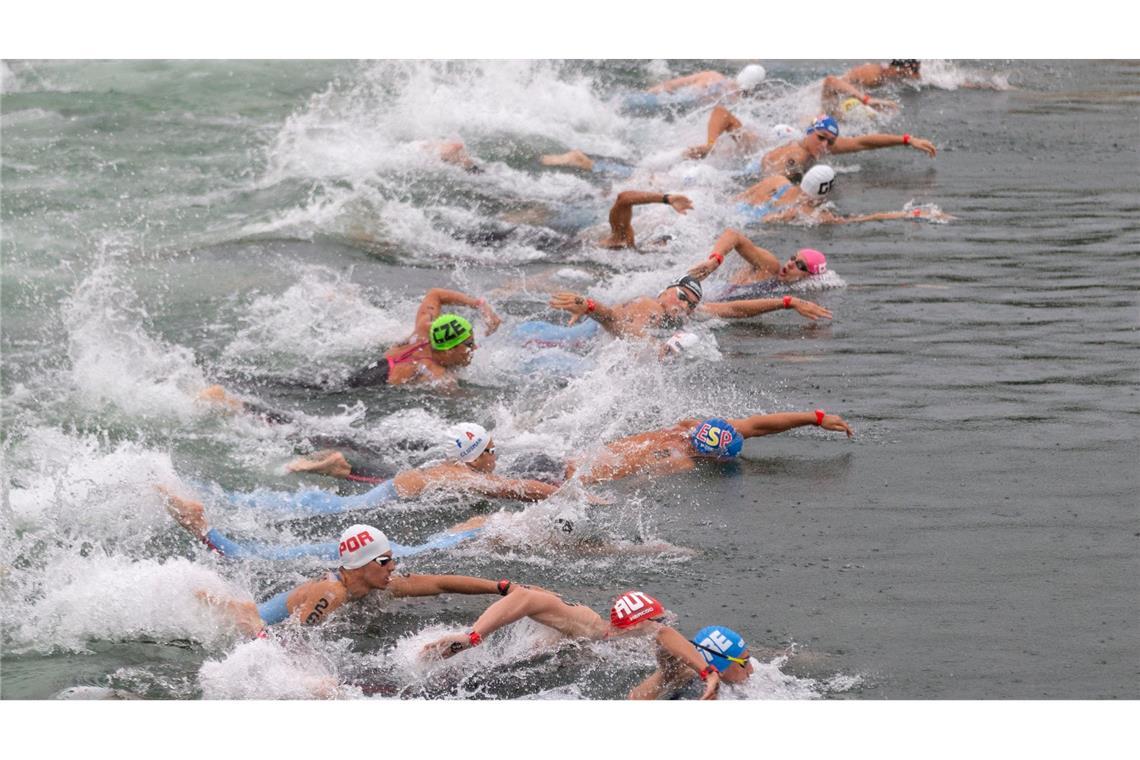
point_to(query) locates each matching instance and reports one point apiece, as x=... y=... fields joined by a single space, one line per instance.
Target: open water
x=167 y=225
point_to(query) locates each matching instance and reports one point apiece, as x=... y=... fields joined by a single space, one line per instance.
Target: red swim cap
x=632 y=607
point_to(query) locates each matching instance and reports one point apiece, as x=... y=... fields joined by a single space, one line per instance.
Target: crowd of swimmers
x=790 y=182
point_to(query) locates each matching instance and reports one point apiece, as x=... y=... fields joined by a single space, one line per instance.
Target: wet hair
x=907 y=64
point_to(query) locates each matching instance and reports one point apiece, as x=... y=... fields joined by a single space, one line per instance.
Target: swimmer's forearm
x=681 y=648
x=768 y=424
x=451 y=297
x=742 y=309
x=431 y=585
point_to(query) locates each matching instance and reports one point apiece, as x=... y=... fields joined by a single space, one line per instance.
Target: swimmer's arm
x=433 y=585
x=876 y=141
x=833 y=87
x=700 y=79
x=579 y=305
x=761 y=259
x=436 y=298
x=681 y=648
x=769 y=424
x=510 y=488
x=312 y=602
x=755 y=306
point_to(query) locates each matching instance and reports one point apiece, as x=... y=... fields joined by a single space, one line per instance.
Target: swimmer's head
x=724 y=649
x=908 y=67
x=361 y=544
x=682 y=296
x=817 y=182
x=468 y=442
x=750 y=76
x=821 y=135
x=715 y=437
x=680 y=341
x=806 y=262
x=634 y=607
x=451 y=335
x=783 y=132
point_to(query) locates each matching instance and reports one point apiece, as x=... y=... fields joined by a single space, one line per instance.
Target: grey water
x=167 y=225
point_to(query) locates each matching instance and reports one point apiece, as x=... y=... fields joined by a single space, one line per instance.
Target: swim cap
x=690 y=284
x=817 y=181
x=824 y=123
x=360 y=544
x=815 y=260
x=716 y=638
x=470 y=441
x=632 y=607
x=716 y=436
x=681 y=340
x=750 y=76
x=849 y=105
x=910 y=64
x=448 y=331
x=783 y=131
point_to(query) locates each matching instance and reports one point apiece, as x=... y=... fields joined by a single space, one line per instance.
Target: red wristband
x=906 y=139
x=708 y=671
x=504 y=586
x=819 y=415
x=866 y=99
x=475 y=638
x=787 y=302
x=718 y=256
x=591 y=304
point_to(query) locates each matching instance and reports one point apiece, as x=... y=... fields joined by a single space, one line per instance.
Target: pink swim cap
x=816 y=261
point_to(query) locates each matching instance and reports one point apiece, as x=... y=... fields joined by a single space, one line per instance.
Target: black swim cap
x=911 y=64
x=689 y=283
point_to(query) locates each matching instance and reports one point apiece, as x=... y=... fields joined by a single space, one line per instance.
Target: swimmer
x=440 y=342
x=470 y=471
x=821 y=138
x=764 y=273
x=713 y=83
x=721 y=647
x=576 y=159
x=366 y=560
x=669 y=310
x=679 y=447
x=191 y=515
x=775 y=200
x=855 y=82
x=634 y=613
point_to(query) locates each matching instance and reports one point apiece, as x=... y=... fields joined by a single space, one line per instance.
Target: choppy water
x=171 y=224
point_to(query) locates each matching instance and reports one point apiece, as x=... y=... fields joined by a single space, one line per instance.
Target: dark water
x=171 y=224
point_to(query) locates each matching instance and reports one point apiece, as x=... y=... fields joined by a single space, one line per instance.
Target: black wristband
x=665 y=199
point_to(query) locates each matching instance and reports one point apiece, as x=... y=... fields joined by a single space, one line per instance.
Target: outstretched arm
x=700 y=79
x=499 y=487
x=768 y=424
x=762 y=260
x=834 y=87
x=437 y=298
x=433 y=585
x=876 y=141
x=755 y=306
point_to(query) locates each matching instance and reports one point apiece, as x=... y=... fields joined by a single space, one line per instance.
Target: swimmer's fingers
x=925 y=146
x=812 y=311
x=680 y=203
x=703 y=270
x=492 y=320
x=711 y=686
x=445 y=647
x=836 y=423
x=883 y=104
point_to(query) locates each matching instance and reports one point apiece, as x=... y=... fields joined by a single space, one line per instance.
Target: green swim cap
x=449 y=330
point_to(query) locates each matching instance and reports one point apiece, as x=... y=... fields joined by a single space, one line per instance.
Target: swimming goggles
x=738 y=660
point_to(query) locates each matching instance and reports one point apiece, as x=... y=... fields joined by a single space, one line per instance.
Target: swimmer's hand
x=881 y=104
x=711 y=686
x=704 y=269
x=934 y=215
x=835 y=422
x=491 y=319
x=680 y=203
x=697 y=151
x=572 y=302
x=812 y=311
x=448 y=646
x=187 y=512
x=925 y=146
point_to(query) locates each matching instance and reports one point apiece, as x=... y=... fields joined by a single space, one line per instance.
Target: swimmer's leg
x=575 y=159
x=314 y=501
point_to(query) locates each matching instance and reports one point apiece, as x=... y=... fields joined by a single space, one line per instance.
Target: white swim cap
x=750 y=76
x=360 y=544
x=682 y=340
x=817 y=181
x=784 y=131
x=470 y=441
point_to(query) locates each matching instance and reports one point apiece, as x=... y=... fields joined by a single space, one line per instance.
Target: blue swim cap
x=824 y=123
x=715 y=436
x=716 y=638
